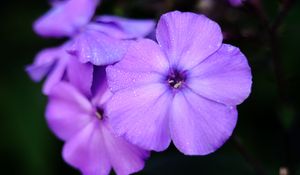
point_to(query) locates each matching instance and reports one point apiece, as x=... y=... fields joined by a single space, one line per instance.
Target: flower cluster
x=115 y=95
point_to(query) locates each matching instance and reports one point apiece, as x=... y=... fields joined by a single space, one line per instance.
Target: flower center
x=176 y=79
x=99 y=113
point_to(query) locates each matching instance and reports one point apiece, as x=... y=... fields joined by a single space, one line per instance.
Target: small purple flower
x=102 y=42
x=185 y=88
x=78 y=116
x=66 y=18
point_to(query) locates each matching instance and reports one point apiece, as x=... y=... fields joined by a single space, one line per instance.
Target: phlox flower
x=185 y=88
x=102 y=41
x=76 y=113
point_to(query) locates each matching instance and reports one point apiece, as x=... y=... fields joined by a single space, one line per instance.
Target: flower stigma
x=176 y=79
x=99 y=113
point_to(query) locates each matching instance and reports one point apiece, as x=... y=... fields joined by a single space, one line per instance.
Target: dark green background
x=268 y=128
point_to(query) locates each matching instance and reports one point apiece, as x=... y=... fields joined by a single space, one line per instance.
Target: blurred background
x=267 y=136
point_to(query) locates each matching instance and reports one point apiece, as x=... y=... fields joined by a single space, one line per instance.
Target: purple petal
x=99 y=80
x=143 y=64
x=80 y=75
x=224 y=77
x=66 y=18
x=138 y=78
x=95 y=150
x=52 y=62
x=101 y=93
x=125 y=157
x=43 y=63
x=124 y=28
x=67 y=111
x=87 y=151
x=140 y=115
x=98 y=48
x=187 y=38
x=56 y=75
x=199 y=126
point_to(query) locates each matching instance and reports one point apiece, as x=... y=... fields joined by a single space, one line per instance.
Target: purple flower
x=76 y=113
x=102 y=42
x=184 y=89
x=66 y=18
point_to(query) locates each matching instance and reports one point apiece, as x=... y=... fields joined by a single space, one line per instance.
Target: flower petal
x=51 y=62
x=56 y=75
x=224 y=77
x=187 y=38
x=140 y=115
x=100 y=90
x=43 y=63
x=98 y=48
x=125 y=158
x=67 y=111
x=124 y=28
x=143 y=64
x=81 y=76
x=199 y=126
x=66 y=18
x=87 y=152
